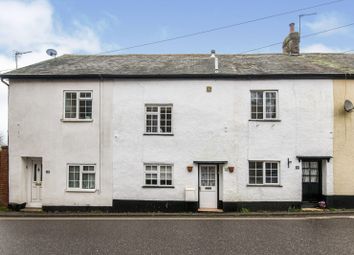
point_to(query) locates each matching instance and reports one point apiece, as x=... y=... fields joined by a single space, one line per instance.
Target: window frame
x=158 y=171
x=264 y=106
x=264 y=183
x=159 y=106
x=81 y=173
x=78 y=99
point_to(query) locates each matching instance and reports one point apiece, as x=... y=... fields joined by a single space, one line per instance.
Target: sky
x=93 y=27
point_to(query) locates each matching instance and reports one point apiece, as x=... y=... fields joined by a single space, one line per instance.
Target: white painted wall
x=216 y=126
x=36 y=129
x=207 y=127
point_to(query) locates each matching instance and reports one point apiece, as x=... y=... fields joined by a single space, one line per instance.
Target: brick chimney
x=291 y=43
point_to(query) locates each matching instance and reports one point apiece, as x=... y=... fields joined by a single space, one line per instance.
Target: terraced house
x=182 y=132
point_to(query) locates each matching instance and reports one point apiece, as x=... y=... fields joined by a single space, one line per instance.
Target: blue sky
x=91 y=27
x=125 y=23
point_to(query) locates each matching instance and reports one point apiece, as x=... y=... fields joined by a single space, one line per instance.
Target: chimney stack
x=216 y=60
x=291 y=44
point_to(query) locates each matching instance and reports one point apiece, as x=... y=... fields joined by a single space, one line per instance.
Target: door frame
x=218 y=205
x=31 y=161
x=320 y=165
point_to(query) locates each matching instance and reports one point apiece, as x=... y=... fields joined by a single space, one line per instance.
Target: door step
x=311 y=210
x=31 y=209
x=212 y=210
x=309 y=205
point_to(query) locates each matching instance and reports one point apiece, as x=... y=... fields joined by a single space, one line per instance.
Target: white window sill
x=81 y=190
x=159 y=134
x=76 y=120
x=265 y=120
x=158 y=187
x=265 y=185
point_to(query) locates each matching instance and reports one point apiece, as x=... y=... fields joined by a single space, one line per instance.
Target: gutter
x=3 y=81
x=185 y=76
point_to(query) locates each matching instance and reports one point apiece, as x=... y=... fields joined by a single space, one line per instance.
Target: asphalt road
x=176 y=236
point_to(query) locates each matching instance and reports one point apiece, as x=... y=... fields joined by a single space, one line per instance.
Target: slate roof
x=320 y=65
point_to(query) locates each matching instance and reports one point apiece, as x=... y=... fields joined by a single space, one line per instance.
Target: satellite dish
x=51 y=52
x=348 y=106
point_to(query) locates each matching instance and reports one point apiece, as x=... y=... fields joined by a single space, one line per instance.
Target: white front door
x=36 y=184
x=208 y=187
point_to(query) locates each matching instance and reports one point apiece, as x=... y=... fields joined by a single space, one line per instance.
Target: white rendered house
x=172 y=132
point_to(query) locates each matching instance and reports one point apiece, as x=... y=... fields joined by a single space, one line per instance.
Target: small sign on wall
x=47 y=171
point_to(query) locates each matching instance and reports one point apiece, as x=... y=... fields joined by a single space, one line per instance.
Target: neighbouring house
x=343 y=142
x=182 y=132
x=4 y=176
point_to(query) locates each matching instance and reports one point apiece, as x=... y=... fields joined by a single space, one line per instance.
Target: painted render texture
x=36 y=129
x=343 y=149
x=207 y=126
x=211 y=126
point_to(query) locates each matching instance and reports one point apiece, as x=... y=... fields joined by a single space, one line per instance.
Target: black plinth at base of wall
x=122 y=206
x=153 y=206
x=340 y=202
x=77 y=208
x=260 y=206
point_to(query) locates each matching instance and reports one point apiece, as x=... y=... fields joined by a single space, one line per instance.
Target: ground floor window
x=263 y=172
x=158 y=175
x=81 y=177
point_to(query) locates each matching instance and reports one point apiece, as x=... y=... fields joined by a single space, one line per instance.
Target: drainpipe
x=100 y=131
x=8 y=100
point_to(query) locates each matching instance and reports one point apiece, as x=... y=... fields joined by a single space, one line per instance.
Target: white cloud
x=30 y=26
x=321 y=48
x=108 y=21
x=328 y=21
x=24 y=23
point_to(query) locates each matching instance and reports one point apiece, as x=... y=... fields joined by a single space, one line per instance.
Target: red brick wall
x=4 y=176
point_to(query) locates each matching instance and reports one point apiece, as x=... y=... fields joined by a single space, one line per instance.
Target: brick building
x=4 y=176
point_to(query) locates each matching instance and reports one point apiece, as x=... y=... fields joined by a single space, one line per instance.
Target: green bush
x=244 y=210
x=3 y=208
x=293 y=209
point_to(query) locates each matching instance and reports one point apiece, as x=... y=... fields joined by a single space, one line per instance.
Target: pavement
x=316 y=234
x=304 y=213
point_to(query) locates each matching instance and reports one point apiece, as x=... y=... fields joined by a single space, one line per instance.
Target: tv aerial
x=348 y=106
x=51 y=52
x=19 y=54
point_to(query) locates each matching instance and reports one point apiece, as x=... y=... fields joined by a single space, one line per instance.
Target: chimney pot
x=291 y=43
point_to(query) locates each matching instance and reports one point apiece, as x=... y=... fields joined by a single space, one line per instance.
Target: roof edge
x=179 y=76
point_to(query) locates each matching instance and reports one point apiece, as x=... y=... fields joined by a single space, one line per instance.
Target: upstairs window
x=264 y=105
x=78 y=105
x=158 y=119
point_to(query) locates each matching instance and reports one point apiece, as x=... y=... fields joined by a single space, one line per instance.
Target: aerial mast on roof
x=304 y=15
x=18 y=54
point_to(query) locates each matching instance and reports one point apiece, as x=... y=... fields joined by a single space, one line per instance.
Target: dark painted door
x=311 y=181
